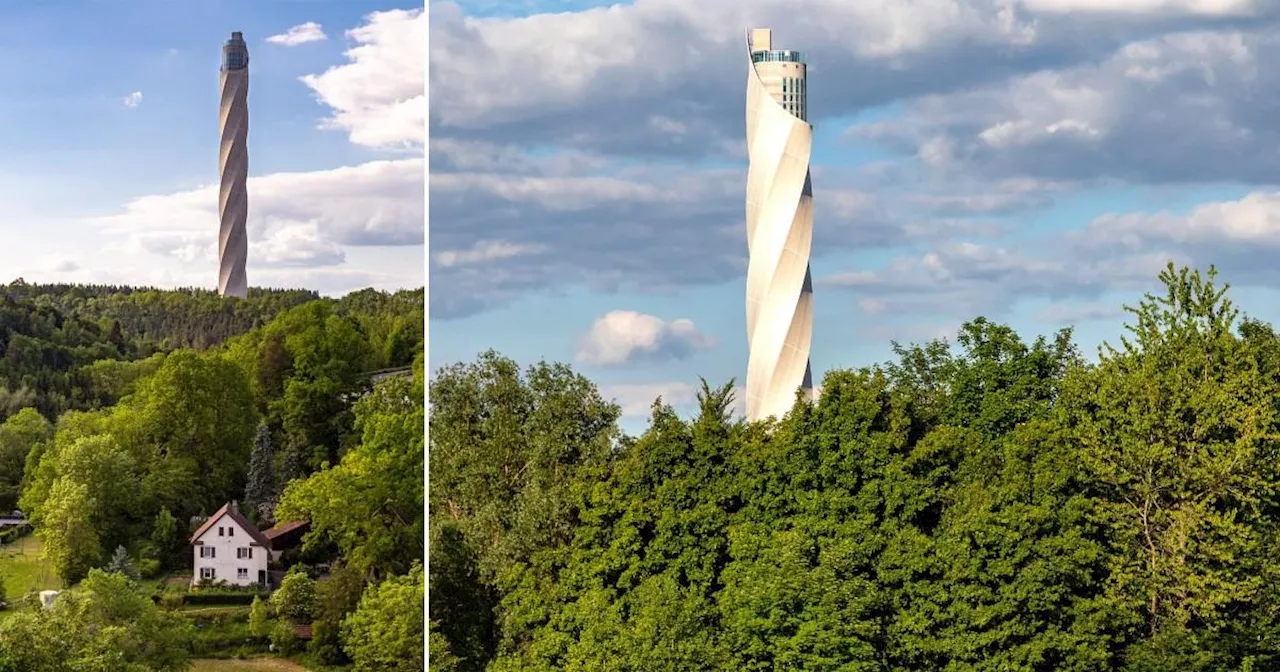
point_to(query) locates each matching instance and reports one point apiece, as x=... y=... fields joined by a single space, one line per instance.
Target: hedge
x=218 y=598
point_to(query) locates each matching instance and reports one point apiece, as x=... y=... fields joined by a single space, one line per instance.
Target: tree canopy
x=992 y=504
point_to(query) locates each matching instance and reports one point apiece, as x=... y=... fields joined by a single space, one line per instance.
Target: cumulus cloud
x=297 y=245
x=636 y=399
x=1115 y=252
x=563 y=220
x=955 y=281
x=299 y=34
x=377 y=97
x=1008 y=107
x=375 y=203
x=133 y=100
x=1188 y=106
x=1213 y=8
x=58 y=262
x=623 y=336
x=482 y=252
x=663 y=77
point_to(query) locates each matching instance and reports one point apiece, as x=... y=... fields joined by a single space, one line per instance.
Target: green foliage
x=43 y=352
x=20 y=435
x=296 y=598
x=336 y=597
x=105 y=624
x=259 y=618
x=181 y=318
x=66 y=530
x=370 y=504
x=992 y=504
x=283 y=637
x=261 y=490
x=385 y=632
x=166 y=538
x=120 y=563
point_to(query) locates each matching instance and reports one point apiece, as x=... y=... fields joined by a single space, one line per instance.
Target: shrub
x=149 y=568
x=296 y=599
x=259 y=619
x=283 y=638
x=219 y=598
x=224 y=639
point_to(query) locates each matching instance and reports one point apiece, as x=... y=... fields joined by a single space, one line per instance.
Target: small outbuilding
x=285 y=536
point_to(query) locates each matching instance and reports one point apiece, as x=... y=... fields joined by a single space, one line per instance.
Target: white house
x=229 y=548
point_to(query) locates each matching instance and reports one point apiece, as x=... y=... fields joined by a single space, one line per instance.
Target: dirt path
x=250 y=665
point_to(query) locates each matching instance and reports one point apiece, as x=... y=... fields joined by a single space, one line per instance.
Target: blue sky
x=108 y=142
x=1036 y=162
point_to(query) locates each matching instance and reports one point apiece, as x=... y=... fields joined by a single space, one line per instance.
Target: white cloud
x=1176 y=108
x=482 y=252
x=298 y=221
x=1184 y=7
x=375 y=203
x=636 y=399
x=1252 y=222
x=57 y=262
x=297 y=245
x=623 y=335
x=133 y=100
x=378 y=96
x=299 y=34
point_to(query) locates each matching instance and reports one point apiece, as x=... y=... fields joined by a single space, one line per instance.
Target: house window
x=231 y=531
x=242 y=573
x=242 y=553
x=207 y=551
x=206 y=573
x=219 y=531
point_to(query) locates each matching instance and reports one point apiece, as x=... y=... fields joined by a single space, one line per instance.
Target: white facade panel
x=226 y=552
x=779 y=229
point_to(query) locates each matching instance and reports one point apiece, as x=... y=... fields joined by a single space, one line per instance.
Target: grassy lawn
x=264 y=664
x=23 y=571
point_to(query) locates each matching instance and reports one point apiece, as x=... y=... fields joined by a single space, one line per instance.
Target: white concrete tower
x=233 y=168
x=779 y=228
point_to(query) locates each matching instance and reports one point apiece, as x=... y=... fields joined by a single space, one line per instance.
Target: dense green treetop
x=992 y=504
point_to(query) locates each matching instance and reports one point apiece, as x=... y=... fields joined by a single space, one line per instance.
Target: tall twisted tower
x=779 y=228
x=233 y=168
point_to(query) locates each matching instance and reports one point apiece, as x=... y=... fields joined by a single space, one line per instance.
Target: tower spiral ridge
x=233 y=169
x=779 y=218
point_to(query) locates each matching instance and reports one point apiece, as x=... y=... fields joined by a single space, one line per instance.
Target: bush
x=284 y=639
x=11 y=534
x=213 y=615
x=224 y=639
x=219 y=598
x=259 y=619
x=149 y=568
x=326 y=643
x=170 y=600
x=296 y=599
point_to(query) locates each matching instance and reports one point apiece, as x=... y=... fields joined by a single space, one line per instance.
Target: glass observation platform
x=777 y=56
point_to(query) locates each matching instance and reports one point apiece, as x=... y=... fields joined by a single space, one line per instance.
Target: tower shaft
x=233 y=169
x=779 y=228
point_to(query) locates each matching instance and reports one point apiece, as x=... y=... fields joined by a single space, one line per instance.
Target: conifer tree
x=260 y=489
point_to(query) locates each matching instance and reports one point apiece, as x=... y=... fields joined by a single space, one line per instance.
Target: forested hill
x=78 y=347
x=181 y=318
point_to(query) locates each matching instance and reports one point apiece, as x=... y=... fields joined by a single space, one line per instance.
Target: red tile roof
x=229 y=510
x=283 y=528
